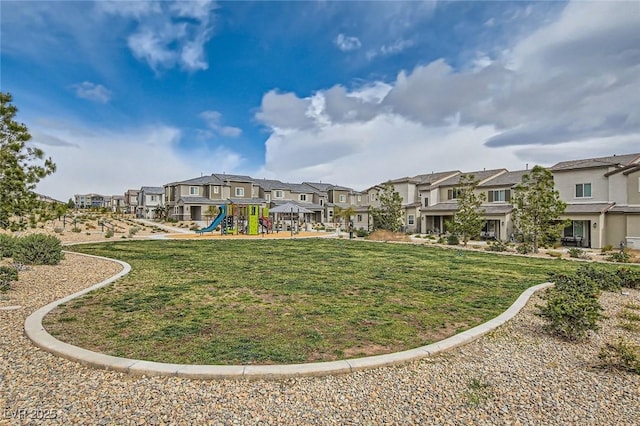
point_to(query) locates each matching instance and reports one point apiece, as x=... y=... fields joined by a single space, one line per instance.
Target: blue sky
x=123 y=94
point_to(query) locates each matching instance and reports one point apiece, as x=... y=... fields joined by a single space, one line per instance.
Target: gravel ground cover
x=515 y=375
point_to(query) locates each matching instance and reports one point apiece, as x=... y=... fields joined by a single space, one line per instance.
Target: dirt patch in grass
x=384 y=235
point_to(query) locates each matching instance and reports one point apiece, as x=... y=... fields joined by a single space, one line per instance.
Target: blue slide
x=216 y=221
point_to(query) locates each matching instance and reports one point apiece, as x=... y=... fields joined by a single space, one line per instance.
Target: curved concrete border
x=36 y=332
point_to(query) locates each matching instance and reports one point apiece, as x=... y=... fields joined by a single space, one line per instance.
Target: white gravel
x=515 y=375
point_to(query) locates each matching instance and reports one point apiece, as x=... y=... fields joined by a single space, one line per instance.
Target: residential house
x=442 y=198
x=190 y=199
x=598 y=191
x=497 y=208
x=149 y=198
x=117 y=204
x=131 y=201
x=85 y=201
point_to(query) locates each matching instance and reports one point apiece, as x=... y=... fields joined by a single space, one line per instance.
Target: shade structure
x=289 y=208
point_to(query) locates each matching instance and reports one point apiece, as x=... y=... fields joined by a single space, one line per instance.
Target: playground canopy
x=290 y=208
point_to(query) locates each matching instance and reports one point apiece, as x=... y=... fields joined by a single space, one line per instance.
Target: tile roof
x=200 y=180
x=200 y=200
x=624 y=209
x=232 y=178
x=270 y=184
x=614 y=160
x=433 y=177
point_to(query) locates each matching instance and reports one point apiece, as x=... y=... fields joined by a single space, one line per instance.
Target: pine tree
x=537 y=208
x=21 y=168
x=468 y=220
x=389 y=215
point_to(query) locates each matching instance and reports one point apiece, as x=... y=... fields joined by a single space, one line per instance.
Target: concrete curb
x=36 y=332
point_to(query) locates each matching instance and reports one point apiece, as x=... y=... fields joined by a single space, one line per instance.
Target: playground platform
x=277 y=235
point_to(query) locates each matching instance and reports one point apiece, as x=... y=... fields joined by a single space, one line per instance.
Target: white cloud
x=346 y=43
x=110 y=162
x=571 y=83
x=92 y=92
x=168 y=34
x=213 y=120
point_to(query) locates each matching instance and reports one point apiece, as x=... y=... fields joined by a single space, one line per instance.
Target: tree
x=389 y=214
x=537 y=207
x=211 y=212
x=161 y=212
x=468 y=220
x=21 y=168
x=345 y=214
x=71 y=204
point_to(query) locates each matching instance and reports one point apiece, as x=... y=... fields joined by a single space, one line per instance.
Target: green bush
x=578 y=253
x=76 y=229
x=556 y=254
x=58 y=230
x=621 y=355
x=38 y=249
x=362 y=233
x=7 y=276
x=630 y=278
x=572 y=307
x=108 y=233
x=497 y=246
x=7 y=243
x=607 y=248
x=621 y=256
x=452 y=240
x=524 y=248
x=133 y=231
x=605 y=280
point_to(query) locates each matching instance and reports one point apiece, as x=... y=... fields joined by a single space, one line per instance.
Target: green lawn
x=263 y=302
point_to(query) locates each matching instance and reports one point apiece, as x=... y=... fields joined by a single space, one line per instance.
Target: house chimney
x=526 y=166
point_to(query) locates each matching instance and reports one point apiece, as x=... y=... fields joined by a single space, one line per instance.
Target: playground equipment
x=240 y=219
x=216 y=221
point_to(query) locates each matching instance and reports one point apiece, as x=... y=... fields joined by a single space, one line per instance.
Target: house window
x=426 y=202
x=452 y=194
x=359 y=198
x=279 y=194
x=239 y=192
x=321 y=202
x=502 y=195
x=411 y=219
x=330 y=213
x=303 y=197
x=153 y=198
x=359 y=218
x=342 y=198
x=583 y=190
x=216 y=189
x=267 y=197
x=194 y=190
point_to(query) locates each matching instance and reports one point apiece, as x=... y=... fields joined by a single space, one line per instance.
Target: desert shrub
x=621 y=256
x=607 y=248
x=362 y=233
x=7 y=276
x=108 y=233
x=76 y=229
x=572 y=307
x=452 y=240
x=441 y=240
x=630 y=278
x=605 y=280
x=58 y=230
x=7 y=243
x=578 y=253
x=621 y=355
x=194 y=227
x=497 y=246
x=524 y=248
x=38 y=249
x=556 y=254
x=133 y=231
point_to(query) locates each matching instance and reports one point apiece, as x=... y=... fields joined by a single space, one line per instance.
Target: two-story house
x=591 y=188
x=623 y=219
x=443 y=199
x=149 y=198
x=497 y=208
x=191 y=199
x=131 y=201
